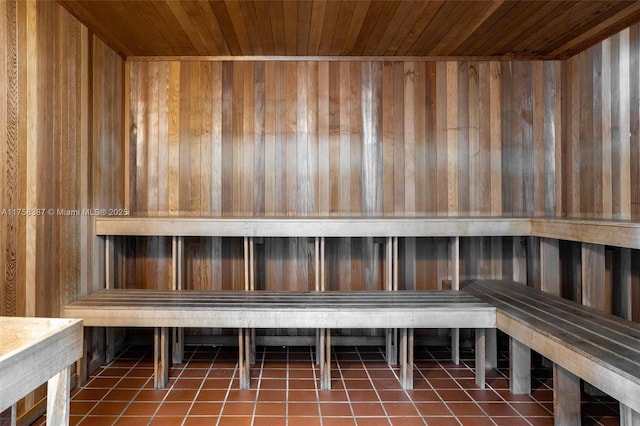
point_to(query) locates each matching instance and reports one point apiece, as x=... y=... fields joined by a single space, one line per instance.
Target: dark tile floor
x=285 y=391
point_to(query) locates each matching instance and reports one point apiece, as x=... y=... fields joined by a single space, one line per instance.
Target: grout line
x=413 y=403
x=224 y=402
x=344 y=385
x=464 y=389
x=315 y=383
x=286 y=390
x=169 y=390
x=204 y=379
x=96 y=403
x=366 y=370
x=255 y=401
x=436 y=390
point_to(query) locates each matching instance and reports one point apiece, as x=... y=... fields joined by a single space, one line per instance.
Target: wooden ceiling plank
x=538 y=19
x=210 y=29
x=226 y=26
x=85 y=12
x=528 y=29
x=239 y=26
x=560 y=24
x=466 y=26
x=337 y=21
x=276 y=11
x=497 y=40
x=263 y=16
x=400 y=20
x=357 y=21
x=252 y=27
x=166 y=19
x=553 y=27
x=290 y=27
x=608 y=24
x=488 y=29
x=318 y=10
x=372 y=45
x=411 y=30
x=304 y=26
x=188 y=27
x=421 y=26
x=368 y=27
x=436 y=29
x=133 y=27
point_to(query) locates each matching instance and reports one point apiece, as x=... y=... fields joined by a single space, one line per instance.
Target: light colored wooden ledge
x=619 y=233
x=33 y=350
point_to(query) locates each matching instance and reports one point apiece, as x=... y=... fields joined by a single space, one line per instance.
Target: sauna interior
x=315 y=109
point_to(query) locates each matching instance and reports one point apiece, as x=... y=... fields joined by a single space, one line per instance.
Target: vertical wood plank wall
x=601 y=152
x=327 y=138
x=61 y=100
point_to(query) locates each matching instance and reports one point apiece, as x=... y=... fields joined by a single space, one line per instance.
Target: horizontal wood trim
x=329 y=58
x=607 y=232
x=312 y=227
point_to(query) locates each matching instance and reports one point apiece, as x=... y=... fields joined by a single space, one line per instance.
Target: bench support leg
x=160 y=357
x=455 y=345
x=520 y=367
x=110 y=344
x=82 y=365
x=406 y=358
x=480 y=357
x=252 y=354
x=392 y=346
x=324 y=356
x=628 y=416
x=177 y=345
x=244 y=357
x=58 y=396
x=566 y=397
x=491 y=361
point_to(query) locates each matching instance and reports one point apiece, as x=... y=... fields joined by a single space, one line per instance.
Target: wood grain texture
x=337 y=138
x=601 y=143
x=543 y=29
x=60 y=149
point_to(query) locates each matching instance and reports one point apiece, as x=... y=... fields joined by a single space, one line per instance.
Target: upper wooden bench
x=261 y=309
x=597 y=231
x=602 y=349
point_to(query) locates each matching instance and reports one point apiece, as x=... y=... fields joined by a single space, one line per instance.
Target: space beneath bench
x=245 y=311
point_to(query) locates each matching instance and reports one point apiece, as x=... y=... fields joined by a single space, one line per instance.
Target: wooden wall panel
x=61 y=154
x=307 y=138
x=9 y=290
x=62 y=134
x=602 y=141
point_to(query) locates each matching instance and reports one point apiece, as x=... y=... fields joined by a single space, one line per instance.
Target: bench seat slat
x=592 y=345
x=579 y=321
x=165 y=308
x=569 y=310
x=609 y=366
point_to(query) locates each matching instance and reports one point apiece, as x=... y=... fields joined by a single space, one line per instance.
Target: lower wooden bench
x=602 y=349
x=245 y=311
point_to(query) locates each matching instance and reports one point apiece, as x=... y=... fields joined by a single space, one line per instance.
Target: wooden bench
x=404 y=310
x=34 y=351
x=602 y=349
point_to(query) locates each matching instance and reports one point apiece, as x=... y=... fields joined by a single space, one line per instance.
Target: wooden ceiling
x=506 y=29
